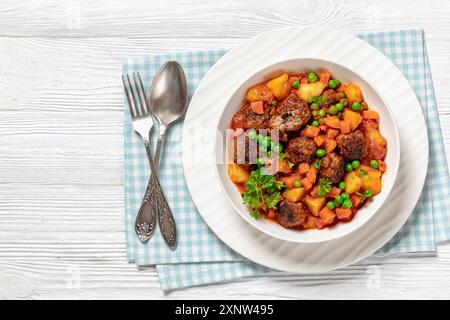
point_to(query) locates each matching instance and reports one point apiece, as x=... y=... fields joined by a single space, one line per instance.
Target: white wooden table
x=61 y=158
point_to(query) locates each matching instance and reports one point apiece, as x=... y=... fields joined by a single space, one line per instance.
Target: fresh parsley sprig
x=325 y=186
x=262 y=192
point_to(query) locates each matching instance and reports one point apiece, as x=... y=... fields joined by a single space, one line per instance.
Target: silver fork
x=154 y=202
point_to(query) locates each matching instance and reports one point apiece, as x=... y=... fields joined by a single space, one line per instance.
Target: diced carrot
x=345 y=126
x=341 y=88
x=257 y=107
x=289 y=180
x=332 y=122
x=333 y=133
x=334 y=192
x=306 y=183
x=343 y=213
x=312 y=175
x=319 y=140
x=370 y=114
x=303 y=168
x=313 y=191
x=330 y=145
x=271 y=214
x=356 y=200
x=310 y=131
x=293 y=78
x=382 y=165
x=323 y=128
x=324 y=76
x=327 y=215
x=310 y=222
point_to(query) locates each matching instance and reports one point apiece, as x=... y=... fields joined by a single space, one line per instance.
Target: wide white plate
x=199 y=147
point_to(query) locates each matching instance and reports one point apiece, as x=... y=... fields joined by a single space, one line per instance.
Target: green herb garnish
x=362 y=172
x=256 y=195
x=316 y=164
x=325 y=186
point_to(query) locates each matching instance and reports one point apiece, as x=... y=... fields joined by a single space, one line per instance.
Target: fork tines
x=137 y=100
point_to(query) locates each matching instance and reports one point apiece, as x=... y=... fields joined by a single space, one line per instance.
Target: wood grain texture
x=61 y=157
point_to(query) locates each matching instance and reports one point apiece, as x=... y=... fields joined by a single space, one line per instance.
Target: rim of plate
x=243 y=238
x=352 y=225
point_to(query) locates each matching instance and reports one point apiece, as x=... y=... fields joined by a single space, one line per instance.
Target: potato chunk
x=353 y=117
x=352 y=182
x=309 y=90
x=353 y=93
x=314 y=204
x=371 y=179
x=260 y=92
x=294 y=194
x=280 y=86
x=237 y=173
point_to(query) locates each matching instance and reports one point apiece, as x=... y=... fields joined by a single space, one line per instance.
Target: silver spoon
x=168 y=99
x=168 y=102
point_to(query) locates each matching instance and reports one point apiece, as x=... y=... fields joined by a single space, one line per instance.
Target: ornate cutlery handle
x=155 y=203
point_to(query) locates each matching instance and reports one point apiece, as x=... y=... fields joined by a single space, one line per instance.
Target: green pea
x=314 y=106
x=333 y=110
x=321 y=153
x=339 y=199
x=269 y=154
x=348 y=167
x=331 y=205
x=312 y=77
x=311 y=100
x=266 y=142
x=333 y=83
x=341 y=185
x=297 y=183
x=278 y=148
x=347 y=203
x=345 y=195
x=315 y=123
x=321 y=113
x=341 y=95
x=252 y=135
x=356 y=106
x=339 y=106
x=355 y=164
x=343 y=101
x=260 y=162
x=260 y=138
x=274 y=103
x=367 y=193
x=374 y=164
x=295 y=84
x=315 y=113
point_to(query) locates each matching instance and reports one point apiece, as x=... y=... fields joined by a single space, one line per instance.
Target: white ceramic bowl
x=388 y=129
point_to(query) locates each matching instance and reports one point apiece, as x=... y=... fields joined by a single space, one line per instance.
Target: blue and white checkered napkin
x=201 y=258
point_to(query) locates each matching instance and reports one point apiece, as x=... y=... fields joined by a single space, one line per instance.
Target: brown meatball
x=292 y=114
x=331 y=96
x=332 y=167
x=301 y=149
x=292 y=214
x=246 y=119
x=352 y=146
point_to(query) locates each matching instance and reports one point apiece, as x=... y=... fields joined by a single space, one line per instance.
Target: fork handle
x=155 y=204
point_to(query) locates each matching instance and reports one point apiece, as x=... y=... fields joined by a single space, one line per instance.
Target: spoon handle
x=155 y=204
x=160 y=142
